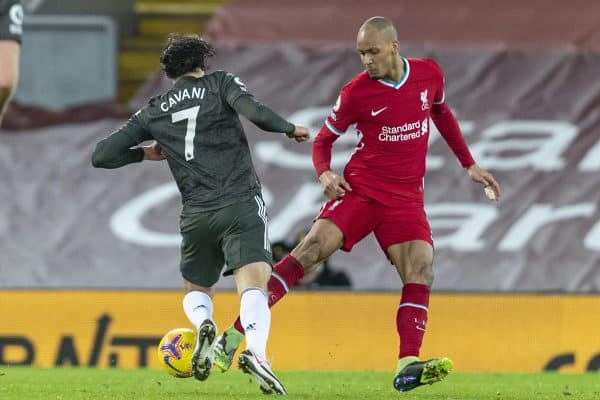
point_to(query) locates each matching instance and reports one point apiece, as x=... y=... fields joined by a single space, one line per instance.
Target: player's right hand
x=154 y=152
x=300 y=134
x=334 y=186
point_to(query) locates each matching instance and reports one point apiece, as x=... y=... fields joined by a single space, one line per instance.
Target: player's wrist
x=290 y=131
x=145 y=153
x=325 y=174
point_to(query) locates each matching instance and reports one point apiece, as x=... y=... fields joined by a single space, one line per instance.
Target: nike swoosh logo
x=419 y=328
x=375 y=113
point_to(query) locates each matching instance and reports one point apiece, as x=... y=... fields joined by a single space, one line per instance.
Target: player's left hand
x=153 y=152
x=482 y=176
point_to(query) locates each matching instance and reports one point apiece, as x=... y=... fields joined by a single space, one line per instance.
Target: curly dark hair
x=184 y=53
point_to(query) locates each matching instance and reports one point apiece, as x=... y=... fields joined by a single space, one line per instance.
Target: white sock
x=256 y=320
x=197 y=306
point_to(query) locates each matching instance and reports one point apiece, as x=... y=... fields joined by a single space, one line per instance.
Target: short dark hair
x=185 y=53
x=382 y=24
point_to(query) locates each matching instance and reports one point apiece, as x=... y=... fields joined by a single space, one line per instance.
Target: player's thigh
x=403 y=224
x=355 y=216
x=404 y=235
x=201 y=255
x=246 y=239
x=9 y=62
x=11 y=21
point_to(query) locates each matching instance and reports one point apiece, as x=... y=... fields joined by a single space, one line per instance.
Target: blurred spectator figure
x=322 y=276
x=11 y=29
x=280 y=250
x=327 y=277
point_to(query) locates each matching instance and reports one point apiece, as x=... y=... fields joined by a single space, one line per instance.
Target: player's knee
x=6 y=86
x=8 y=82
x=421 y=271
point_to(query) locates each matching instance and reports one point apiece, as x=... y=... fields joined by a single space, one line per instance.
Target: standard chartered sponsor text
x=398 y=133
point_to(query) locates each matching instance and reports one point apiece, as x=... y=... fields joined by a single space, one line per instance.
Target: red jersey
x=392 y=121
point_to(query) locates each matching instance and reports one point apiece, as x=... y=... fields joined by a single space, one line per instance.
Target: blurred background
x=92 y=255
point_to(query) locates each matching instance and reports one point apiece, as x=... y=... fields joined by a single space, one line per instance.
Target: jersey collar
x=400 y=83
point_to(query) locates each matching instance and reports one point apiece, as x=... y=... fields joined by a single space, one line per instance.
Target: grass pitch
x=115 y=384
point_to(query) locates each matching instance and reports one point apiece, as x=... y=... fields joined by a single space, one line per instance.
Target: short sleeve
x=11 y=20
x=233 y=88
x=342 y=114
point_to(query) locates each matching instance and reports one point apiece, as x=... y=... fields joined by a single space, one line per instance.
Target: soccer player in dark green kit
x=196 y=127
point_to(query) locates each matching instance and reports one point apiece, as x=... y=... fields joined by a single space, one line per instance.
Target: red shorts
x=357 y=216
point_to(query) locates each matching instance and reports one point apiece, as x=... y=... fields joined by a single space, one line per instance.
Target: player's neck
x=197 y=73
x=397 y=72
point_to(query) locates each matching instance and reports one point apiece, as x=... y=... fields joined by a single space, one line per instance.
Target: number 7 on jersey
x=190 y=114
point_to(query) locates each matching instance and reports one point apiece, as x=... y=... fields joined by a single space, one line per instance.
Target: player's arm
x=118 y=149
x=334 y=186
x=341 y=117
x=267 y=120
x=236 y=94
x=446 y=122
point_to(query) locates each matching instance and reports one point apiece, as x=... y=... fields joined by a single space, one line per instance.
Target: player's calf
x=225 y=347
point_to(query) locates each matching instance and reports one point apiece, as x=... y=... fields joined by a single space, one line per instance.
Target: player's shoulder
x=220 y=76
x=143 y=114
x=424 y=66
x=356 y=83
x=152 y=108
x=221 y=80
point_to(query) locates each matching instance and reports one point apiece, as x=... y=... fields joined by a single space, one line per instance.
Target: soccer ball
x=175 y=352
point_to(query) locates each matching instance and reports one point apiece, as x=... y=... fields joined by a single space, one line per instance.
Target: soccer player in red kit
x=391 y=104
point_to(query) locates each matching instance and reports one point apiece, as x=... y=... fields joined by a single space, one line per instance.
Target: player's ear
x=395 y=47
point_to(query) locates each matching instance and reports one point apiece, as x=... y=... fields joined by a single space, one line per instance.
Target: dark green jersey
x=11 y=20
x=197 y=125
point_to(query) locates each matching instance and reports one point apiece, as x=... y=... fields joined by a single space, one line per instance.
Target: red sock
x=286 y=273
x=411 y=318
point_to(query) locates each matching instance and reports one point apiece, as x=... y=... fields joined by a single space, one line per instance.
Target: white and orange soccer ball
x=175 y=352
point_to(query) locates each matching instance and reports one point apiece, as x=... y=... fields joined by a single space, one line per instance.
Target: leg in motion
x=323 y=239
x=255 y=317
x=198 y=307
x=413 y=261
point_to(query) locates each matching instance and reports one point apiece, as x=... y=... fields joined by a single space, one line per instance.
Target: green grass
x=115 y=384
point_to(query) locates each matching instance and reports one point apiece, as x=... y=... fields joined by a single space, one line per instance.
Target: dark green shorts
x=235 y=235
